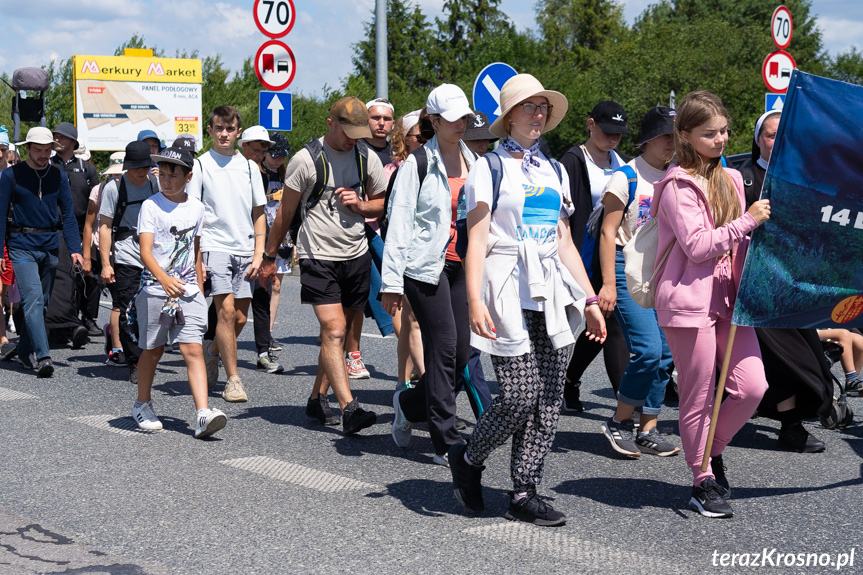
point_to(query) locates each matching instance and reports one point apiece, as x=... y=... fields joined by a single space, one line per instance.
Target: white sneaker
x=208 y=422
x=356 y=367
x=145 y=417
x=402 y=428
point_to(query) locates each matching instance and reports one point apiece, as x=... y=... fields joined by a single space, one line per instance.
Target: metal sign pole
x=381 y=83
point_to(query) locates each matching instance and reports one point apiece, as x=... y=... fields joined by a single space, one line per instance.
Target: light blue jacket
x=419 y=221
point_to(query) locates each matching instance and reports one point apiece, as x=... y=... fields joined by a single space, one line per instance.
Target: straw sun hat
x=518 y=89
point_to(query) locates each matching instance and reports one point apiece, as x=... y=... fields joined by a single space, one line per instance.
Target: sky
x=321 y=38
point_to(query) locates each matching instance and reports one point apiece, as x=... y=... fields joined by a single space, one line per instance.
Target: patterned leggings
x=527 y=408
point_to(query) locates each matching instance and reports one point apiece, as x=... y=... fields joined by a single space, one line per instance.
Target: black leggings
x=442 y=314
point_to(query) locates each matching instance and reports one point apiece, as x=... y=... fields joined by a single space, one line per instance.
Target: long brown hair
x=698 y=108
x=398 y=146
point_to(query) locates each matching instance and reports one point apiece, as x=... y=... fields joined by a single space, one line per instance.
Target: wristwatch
x=268 y=258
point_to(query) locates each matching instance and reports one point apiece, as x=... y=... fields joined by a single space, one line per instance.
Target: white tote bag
x=640 y=254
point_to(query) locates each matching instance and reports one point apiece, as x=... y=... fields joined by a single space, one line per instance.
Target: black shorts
x=327 y=282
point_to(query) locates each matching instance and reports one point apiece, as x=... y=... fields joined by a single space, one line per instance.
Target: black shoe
x=319 y=408
x=719 y=468
x=8 y=351
x=794 y=437
x=92 y=328
x=572 y=398
x=707 y=500
x=854 y=386
x=133 y=374
x=534 y=510
x=79 y=337
x=466 y=479
x=355 y=418
x=44 y=367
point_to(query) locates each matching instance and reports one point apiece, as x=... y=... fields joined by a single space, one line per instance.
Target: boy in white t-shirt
x=171 y=300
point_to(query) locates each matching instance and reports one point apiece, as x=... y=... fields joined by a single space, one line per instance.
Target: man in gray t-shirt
x=123 y=273
x=335 y=264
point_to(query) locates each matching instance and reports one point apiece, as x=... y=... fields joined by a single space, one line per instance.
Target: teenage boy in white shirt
x=232 y=241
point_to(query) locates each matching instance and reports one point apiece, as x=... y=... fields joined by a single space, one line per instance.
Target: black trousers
x=442 y=314
x=127 y=281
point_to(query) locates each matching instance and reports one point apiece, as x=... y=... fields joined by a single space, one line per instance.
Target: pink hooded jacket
x=684 y=284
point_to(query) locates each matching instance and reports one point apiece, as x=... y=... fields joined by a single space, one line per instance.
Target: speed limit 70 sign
x=275 y=18
x=781 y=27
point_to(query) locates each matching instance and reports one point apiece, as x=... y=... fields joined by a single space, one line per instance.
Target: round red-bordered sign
x=781 y=27
x=776 y=71
x=275 y=65
x=274 y=18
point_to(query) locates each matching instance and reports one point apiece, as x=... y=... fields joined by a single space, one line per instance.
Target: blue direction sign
x=774 y=102
x=274 y=111
x=486 y=88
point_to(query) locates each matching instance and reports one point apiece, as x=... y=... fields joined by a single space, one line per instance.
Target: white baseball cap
x=449 y=101
x=256 y=134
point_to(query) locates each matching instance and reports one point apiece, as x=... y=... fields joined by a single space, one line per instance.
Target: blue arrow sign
x=274 y=111
x=486 y=88
x=774 y=102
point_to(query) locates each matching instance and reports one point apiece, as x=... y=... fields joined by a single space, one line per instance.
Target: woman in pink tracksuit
x=701 y=215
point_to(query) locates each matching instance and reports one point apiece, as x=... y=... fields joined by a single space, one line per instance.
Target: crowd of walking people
x=456 y=248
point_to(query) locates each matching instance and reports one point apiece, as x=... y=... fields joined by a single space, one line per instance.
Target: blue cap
x=146 y=134
x=4 y=136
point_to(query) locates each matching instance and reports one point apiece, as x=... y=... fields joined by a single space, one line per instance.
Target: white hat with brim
x=256 y=134
x=448 y=101
x=38 y=135
x=115 y=166
x=518 y=89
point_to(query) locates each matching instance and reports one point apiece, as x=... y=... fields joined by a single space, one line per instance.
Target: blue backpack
x=590 y=242
x=495 y=165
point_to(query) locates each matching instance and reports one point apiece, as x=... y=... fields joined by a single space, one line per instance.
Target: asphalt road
x=82 y=492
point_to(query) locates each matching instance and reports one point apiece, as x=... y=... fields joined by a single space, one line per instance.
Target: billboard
x=118 y=96
x=803 y=269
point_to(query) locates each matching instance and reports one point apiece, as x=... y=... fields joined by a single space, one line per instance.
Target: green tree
x=847 y=66
x=465 y=23
x=574 y=32
x=410 y=41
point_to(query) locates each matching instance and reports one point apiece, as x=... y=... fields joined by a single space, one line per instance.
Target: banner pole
x=720 y=389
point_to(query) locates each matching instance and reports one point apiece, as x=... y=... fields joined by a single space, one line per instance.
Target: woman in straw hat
x=528 y=293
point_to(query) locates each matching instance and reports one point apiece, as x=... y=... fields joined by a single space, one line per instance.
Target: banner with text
x=118 y=96
x=804 y=266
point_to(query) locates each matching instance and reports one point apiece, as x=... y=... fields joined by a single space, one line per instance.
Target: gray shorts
x=227 y=274
x=148 y=307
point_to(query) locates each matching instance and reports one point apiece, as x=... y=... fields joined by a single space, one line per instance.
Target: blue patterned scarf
x=529 y=159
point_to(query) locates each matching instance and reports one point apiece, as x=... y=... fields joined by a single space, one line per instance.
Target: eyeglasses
x=530 y=108
x=259 y=151
x=417 y=137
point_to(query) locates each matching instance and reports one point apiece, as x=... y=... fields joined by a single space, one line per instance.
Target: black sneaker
x=44 y=367
x=707 y=500
x=8 y=351
x=794 y=437
x=79 y=337
x=534 y=510
x=654 y=443
x=355 y=418
x=133 y=374
x=620 y=437
x=572 y=398
x=318 y=408
x=466 y=479
x=91 y=327
x=854 y=386
x=719 y=468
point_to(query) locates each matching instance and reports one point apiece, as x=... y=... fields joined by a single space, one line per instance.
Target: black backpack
x=422 y=169
x=319 y=156
x=119 y=232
